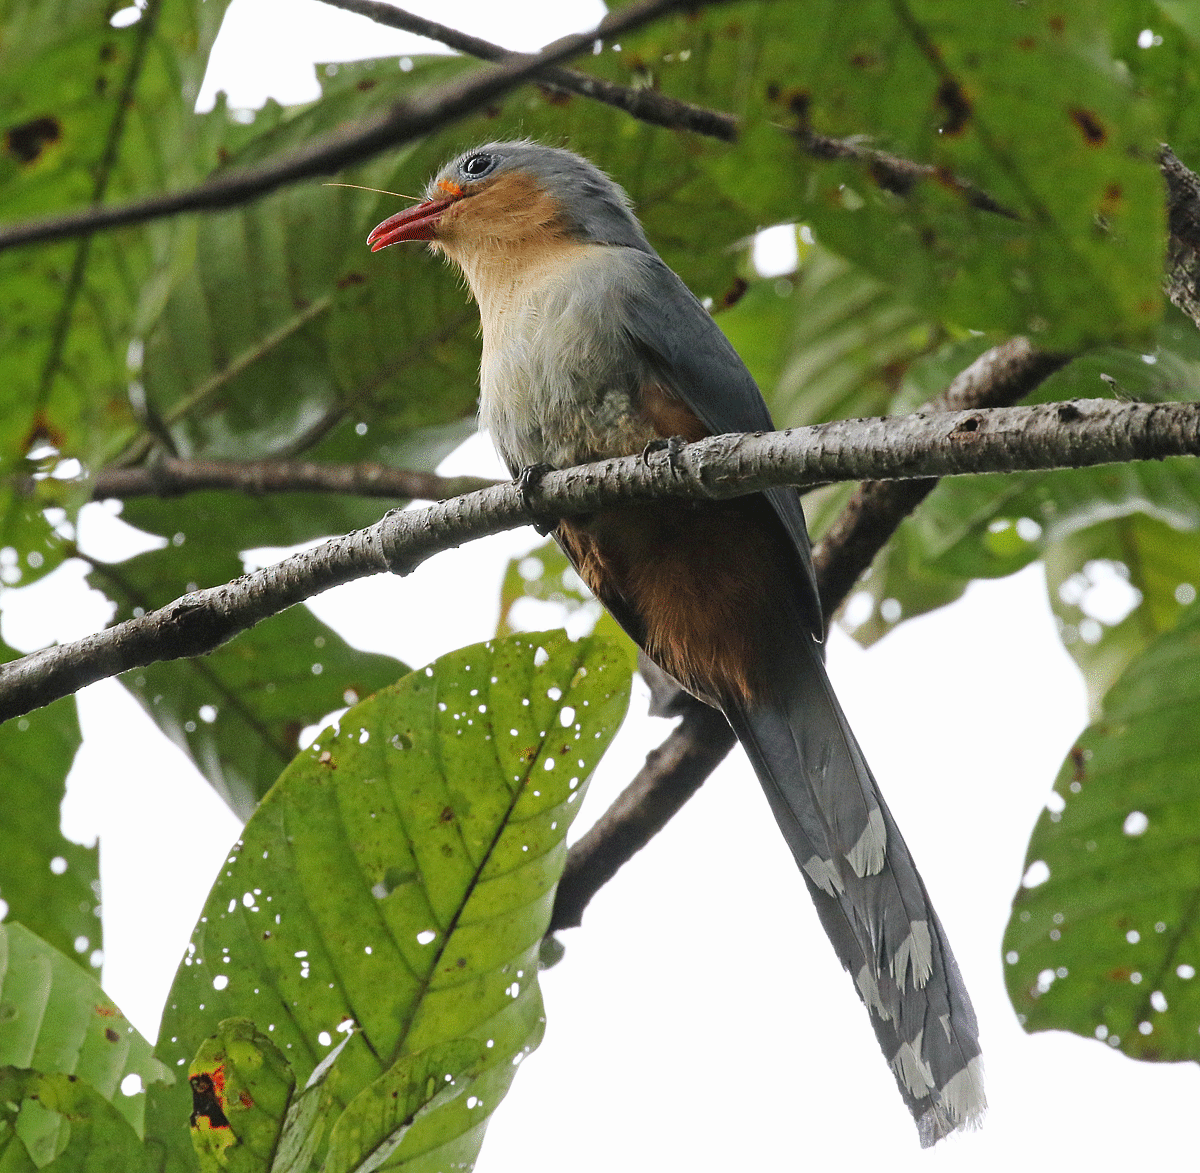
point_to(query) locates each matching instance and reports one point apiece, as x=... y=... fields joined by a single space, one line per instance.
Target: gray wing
x=678 y=339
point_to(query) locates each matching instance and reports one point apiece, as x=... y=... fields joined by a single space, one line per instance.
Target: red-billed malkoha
x=593 y=348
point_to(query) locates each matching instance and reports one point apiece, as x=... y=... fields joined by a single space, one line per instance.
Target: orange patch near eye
x=449 y=187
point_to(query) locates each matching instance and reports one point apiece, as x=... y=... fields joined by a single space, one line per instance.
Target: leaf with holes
x=1020 y=101
x=1104 y=939
x=241 y=1089
x=376 y=1121
x=54 y=1018
x=1115 y=588
x=397 y=881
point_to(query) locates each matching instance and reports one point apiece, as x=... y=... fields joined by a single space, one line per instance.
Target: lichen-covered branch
x=1058 y=435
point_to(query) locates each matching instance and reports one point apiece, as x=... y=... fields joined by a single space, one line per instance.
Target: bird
x=594 y=348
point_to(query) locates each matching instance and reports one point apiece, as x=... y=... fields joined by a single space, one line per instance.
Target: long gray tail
x=867 y=891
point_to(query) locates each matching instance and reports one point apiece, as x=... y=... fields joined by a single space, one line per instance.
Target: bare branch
x=1003 y=375
x=1059 y=435
x=672 y=774
x=172 y=477
x=401 y=123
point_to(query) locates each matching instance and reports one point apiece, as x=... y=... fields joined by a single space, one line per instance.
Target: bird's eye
x=476 y=166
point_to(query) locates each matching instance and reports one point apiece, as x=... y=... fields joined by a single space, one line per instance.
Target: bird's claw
x=527 y=482
x=671 y=445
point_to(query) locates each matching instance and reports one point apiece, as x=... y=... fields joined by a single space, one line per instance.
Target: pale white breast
x=558 y=376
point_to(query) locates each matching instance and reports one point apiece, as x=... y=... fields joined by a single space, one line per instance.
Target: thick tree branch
x=1060 y=435
x=401 y=123
x=172 y=477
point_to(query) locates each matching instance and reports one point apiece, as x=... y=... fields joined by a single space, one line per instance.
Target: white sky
x=699 y=1019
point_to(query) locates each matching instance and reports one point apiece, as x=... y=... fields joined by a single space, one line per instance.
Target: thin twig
x=672 y=774
x=1058 y=435
x=891 y=172
x=172 y=477
x=641 y=102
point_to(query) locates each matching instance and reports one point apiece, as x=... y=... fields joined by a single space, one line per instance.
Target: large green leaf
x=396 y=883
x=1104 y=938
x=49 y=883
x=55 y=1019
x=1024 y=101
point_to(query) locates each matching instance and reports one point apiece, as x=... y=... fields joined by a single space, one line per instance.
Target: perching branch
x=172 y=477
x=1061 y=435
x=401 y=123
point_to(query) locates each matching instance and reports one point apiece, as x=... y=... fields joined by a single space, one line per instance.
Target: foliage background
x=758 y=985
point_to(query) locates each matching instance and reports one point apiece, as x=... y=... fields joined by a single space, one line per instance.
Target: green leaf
x=306 y=1118
x=241 y=1088
x=55 y=1019
x=49 y=883
x=1159 y=565
x=92 y=114
x=1108 y=945
x=400 y=877
x=65 y=1125
x=829 y=342
x=281 y=328
x=1026 y=103
x=370 y=1130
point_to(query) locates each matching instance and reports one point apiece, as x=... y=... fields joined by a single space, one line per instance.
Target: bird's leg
x=671 y=445
x=527 y=482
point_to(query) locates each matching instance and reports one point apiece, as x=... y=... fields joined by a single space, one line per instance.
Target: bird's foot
x=671 y=445
x=527 y=482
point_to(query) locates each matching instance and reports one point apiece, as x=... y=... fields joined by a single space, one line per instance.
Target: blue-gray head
x=514 y=195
